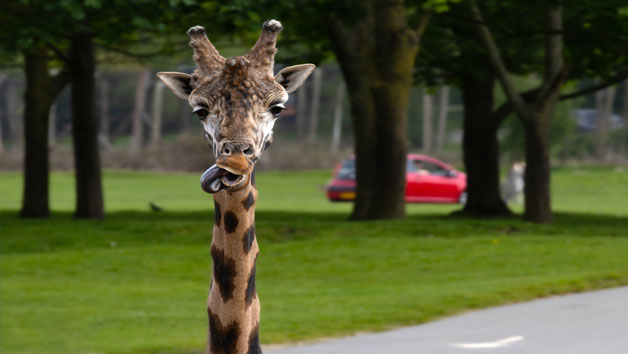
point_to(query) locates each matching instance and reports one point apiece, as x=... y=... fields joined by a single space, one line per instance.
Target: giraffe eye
x=200 y=112
x=276 y=109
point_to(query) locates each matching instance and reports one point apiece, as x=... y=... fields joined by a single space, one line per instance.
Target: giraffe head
x=237 y=101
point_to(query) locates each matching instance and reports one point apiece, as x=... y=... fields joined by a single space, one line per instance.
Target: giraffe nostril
x=226 y=151
x=248 y=151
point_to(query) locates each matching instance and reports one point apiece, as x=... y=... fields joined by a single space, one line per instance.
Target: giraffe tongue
x=216 y=178
x=210 y=180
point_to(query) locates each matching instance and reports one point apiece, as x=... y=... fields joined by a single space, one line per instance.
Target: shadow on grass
x=560 y=218
x=138 y=229
x=163 y=351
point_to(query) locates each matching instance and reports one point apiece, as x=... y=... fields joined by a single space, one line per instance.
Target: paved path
x=586 y=323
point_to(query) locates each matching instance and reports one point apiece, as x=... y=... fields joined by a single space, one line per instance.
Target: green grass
x=126 y=191
x=137 y=281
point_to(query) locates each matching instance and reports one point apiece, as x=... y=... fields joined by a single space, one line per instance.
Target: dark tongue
x=210 y=180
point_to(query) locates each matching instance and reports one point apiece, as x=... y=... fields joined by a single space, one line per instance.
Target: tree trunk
x=604 y=104
x=338 y=108
x=443 y=108
x=186 y=115
x=37 y=103
x=624 y=114
x=600 y=125
x=567 y=139
x=536 y=115
x=89 y=198
x=357 y=73
x=155 y=136
x=1 y=127
x=391 y=149
x=103 y=107
x=376 y=56
x=315 y=104
x=428 y=118
x=363 y=119
x=301 y=110
x=13 y=117
x=3 y=77
x=137 y=131
x=395 y=50
x=538 y=206
x=481 y=147
x=52 y=126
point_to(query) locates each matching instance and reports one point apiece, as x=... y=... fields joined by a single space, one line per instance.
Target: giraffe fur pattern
x=237 y=101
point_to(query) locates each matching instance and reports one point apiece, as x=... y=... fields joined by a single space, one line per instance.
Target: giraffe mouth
x=216 y=179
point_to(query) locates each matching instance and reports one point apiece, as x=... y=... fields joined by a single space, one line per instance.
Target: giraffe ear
x=293 y=76
x=178 y=83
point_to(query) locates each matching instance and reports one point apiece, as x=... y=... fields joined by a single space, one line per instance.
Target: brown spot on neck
x=231 y=221
x=224 y=272
x=249 y=201
x=223 y=339
x=249 y=294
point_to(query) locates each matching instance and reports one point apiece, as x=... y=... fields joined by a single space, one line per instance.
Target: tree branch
x=555 y=70
x=496 y=60
x=140 y=55
x=59 y=53
x=552 y=89
x=612 y=81
x=59 y=82
x=502 y=112
x=424 y=18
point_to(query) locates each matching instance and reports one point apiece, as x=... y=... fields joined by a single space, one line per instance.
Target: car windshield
x=426 y=167
x=347 y=170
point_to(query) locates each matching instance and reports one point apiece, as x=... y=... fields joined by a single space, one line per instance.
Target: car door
x=419 y=181
x=434 y=182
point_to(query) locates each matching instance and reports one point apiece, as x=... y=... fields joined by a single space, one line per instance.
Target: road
x=594 y=322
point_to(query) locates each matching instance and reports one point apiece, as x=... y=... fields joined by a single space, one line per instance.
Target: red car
x=428 y=180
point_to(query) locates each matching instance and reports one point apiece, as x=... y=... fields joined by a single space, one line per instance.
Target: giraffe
x=237 y=101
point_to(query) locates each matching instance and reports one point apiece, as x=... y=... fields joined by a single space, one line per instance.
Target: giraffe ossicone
x=237 y=101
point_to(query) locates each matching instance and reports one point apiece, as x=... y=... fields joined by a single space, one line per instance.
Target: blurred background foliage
x=134 y=39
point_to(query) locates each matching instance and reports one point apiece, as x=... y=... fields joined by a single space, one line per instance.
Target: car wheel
x=462 y=199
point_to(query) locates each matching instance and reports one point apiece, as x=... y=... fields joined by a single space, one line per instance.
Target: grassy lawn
x=137 y=281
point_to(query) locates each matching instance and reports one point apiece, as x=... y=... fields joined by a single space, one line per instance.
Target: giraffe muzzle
x=236 y=157
x=216 y=179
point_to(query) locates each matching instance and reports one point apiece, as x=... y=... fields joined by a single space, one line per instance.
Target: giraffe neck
x=233 y=306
